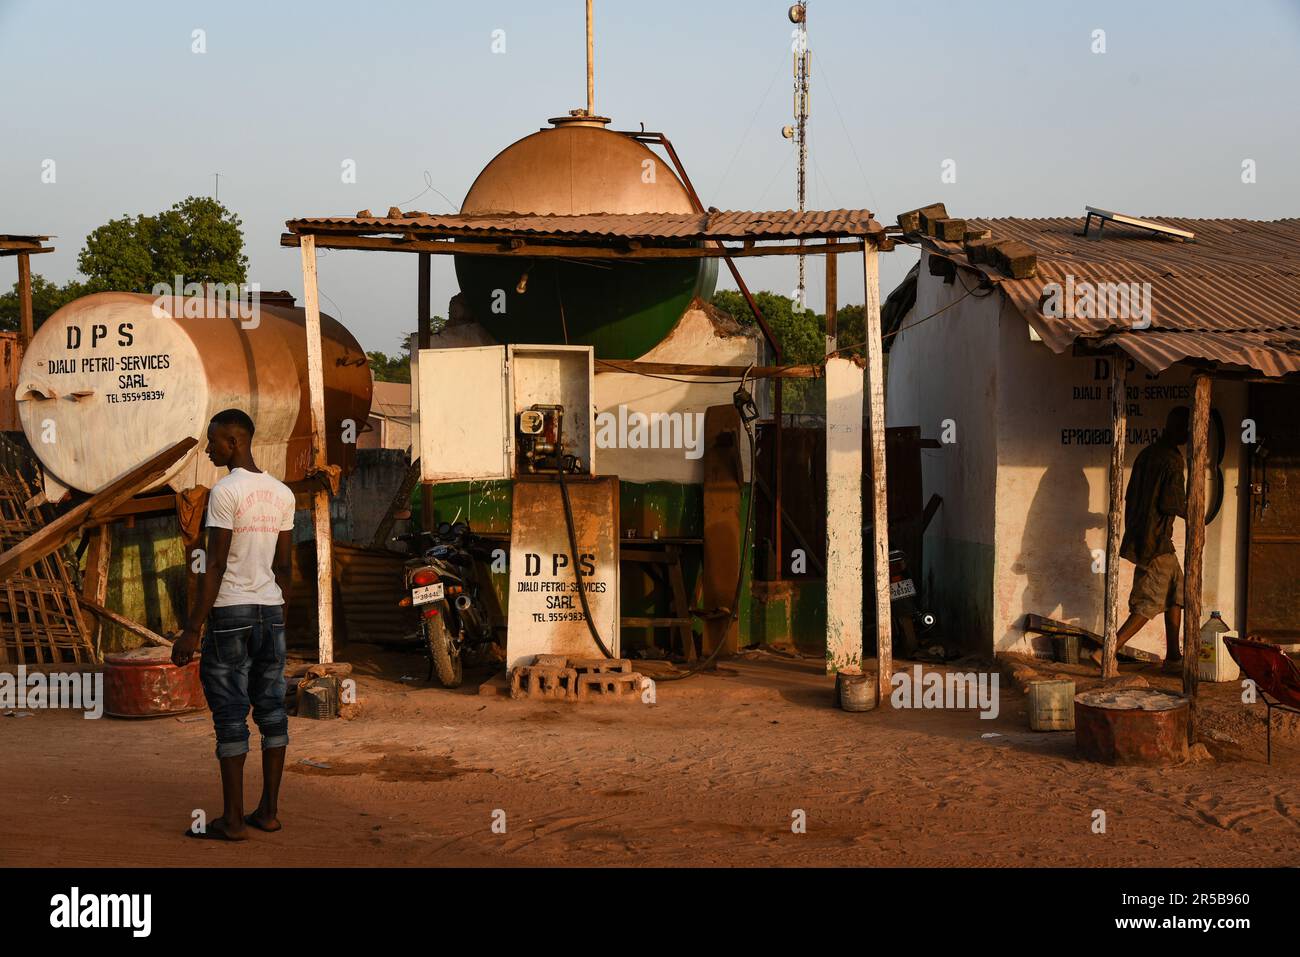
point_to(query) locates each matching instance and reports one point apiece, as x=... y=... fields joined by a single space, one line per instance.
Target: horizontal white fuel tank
x=114 y=378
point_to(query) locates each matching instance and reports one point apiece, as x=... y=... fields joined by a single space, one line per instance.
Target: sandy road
x=710 y=775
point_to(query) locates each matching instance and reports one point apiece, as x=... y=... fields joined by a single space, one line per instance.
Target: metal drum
x=143 y=683
x=1131 y=726
x=119 y=376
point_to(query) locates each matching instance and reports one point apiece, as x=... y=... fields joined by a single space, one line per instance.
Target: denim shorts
x=242 y=667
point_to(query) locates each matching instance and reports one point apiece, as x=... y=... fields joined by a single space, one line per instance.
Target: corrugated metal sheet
x=1232 y=296
x=716 y=224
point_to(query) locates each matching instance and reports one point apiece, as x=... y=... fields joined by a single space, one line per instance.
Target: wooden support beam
x=134 y=627
x=320 y=497
x=513 y=246
x=879 y=510
x=637 y=367
x=26 y=325
x=424 y=336
x=1194 y=551
x=1115 y=509
x=94 y=583
x=67 y=526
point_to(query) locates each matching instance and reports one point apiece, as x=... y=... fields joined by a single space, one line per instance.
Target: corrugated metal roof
x=1232 y=296
x=715 y=224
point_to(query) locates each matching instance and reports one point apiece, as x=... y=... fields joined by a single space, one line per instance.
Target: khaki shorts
x=1157 y=587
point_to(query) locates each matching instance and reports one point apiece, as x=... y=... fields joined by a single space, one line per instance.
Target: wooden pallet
x=41 y=621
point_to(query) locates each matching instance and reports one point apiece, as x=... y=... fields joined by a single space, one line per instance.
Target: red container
x=143 y=683
x=1140 y=726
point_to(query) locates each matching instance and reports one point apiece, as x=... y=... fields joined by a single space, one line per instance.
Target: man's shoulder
x=1158 y=454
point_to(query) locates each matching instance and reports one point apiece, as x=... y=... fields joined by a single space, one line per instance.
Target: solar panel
x=1104 y=216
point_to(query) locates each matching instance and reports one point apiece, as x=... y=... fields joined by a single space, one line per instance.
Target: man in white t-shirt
x=243 y=587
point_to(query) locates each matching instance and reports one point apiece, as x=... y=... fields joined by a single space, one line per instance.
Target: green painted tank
x=578 y=166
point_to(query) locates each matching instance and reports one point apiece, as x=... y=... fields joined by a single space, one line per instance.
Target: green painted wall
x=672 y=509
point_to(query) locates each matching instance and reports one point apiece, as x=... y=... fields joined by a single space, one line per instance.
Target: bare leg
x=266 y=816
x=1132 y=625
x=1173 y=625
x=232 y=795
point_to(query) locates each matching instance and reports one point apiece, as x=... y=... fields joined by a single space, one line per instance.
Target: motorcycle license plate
x=427 y=593
x=901 y=589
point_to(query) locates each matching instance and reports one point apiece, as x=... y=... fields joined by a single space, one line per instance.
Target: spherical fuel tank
x=577 y=167
x=114 y=378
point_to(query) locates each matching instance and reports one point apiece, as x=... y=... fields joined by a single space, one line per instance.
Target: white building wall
x=943 y=376
x=1023 y=519
x=1053 y=486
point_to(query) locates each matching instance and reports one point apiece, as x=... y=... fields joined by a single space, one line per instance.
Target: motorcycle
x=443 y=588
x=914 y=628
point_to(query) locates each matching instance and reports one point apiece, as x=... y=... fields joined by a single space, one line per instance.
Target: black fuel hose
x=746 y=421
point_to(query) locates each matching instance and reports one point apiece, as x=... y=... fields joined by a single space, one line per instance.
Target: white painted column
x=843 y=513
x=879 y=507
x=321 y=497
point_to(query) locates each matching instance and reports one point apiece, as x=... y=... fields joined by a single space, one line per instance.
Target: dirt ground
x=709 y=775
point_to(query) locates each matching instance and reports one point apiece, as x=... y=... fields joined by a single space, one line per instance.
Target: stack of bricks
x=548 y=677
x=556 y=677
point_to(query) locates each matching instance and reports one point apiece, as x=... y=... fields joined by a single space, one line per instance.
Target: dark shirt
x=1154 y=498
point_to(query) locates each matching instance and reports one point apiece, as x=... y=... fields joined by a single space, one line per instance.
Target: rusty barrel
x=143 y=683
x=1131 y=726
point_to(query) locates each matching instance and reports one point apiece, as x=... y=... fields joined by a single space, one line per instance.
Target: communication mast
x=802 y=59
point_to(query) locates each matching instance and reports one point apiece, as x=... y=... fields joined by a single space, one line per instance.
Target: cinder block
x=609 y=685
x=600 y=666
x=930 y=217
x=950 y=230
x=1016 y=258
x=980 y=251
x=551 y=661
x=910 y=221
x=532 y=681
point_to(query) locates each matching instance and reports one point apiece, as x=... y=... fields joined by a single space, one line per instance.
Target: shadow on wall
x=1054 y=558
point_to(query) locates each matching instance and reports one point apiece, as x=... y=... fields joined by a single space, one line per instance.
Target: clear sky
x=1036 y=123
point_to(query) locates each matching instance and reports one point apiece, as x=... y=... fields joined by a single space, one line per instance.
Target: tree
x=198 y=239
x=394 y=368
x=47 y=299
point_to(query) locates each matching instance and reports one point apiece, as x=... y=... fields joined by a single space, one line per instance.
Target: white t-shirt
x=256 y=508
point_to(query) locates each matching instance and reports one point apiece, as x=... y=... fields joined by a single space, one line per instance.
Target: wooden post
x=832 y=300
x=26 y=326
x=1115 y=511
x=879 y=490
x=1194 y=552
x=424 y=339
x=94 y=583
x=321 y=497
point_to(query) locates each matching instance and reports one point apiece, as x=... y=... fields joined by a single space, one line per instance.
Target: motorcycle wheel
x=446 y=663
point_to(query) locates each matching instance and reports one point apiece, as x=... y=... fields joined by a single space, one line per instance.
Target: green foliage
x=394 y=368
x=197 y=239
x=802 y=335
x=47 y=298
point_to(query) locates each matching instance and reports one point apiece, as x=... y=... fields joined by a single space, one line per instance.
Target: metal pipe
x=591 y=64
x=778 y=399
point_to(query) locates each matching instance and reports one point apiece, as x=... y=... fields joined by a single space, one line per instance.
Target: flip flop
x=251 y=821
x=214 y=832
